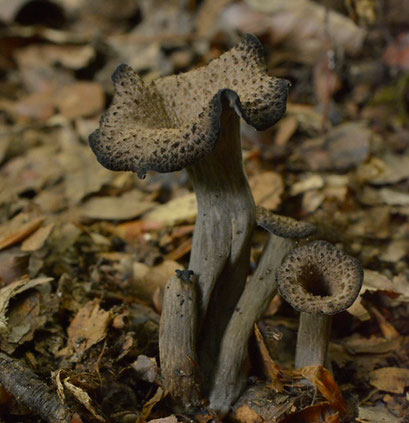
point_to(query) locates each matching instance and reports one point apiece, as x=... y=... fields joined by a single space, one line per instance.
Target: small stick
x=28 y=389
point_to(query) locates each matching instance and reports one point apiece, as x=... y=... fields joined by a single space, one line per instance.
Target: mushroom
x=192 y=121
x=318 y=280
x=230 y=375
x=177 y=340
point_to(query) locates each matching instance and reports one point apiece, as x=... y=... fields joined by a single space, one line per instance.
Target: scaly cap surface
x=174 y=121
x=319 y=278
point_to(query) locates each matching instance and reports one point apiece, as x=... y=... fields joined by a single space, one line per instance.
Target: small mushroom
x=259 y=290
x=192 y=121
x=318 y=280
x=177 y=340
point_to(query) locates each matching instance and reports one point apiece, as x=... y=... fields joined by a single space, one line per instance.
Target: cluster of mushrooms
x=192 y=121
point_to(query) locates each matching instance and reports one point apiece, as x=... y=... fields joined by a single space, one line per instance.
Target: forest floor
x=85 y=253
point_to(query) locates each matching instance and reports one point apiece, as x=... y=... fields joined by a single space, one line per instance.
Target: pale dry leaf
x=176 y=211
x=309 y=182
x=146 y=279
x=13 y=289
x=169 y=419
x=376 y=414
x=83 y=398
x=127 y=206
x=36 y=240
x=390 y=379
x=267 y=189
x=80 y=99
x=21 y=233
x=89 y=326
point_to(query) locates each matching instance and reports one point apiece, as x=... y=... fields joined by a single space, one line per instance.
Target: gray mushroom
x=230 y=375
x=318 y=280
x=192 y=121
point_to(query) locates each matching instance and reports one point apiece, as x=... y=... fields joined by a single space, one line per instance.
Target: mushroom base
x=230 y=376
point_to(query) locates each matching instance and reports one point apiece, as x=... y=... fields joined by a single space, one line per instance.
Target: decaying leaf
x=88 y=327
x=19 y=234
x=377 y=414
x=127 y=206
x=267 y=189
x=326 y=384
x=182 y=209
x=318 y=413
x=390 y=379
x=13 y=289
x=147 y=407
x=83 y=398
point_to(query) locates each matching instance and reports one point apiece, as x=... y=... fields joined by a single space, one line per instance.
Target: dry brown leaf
x=36 y=240
x=174 y=212
x=89 y=326
x=318 y=413
x=377 y=414
x=147 y=407
x=286 y=128
x=273 y=370
x=80 y=99
x=13 y=265
x=83 y=398
x=357 y=344
x=12 y=290
x=127 y=206
x=390 y=379
x=21 y=233
x=267 y=189
x=169 y=419
x=326 y=384
x=146 y=279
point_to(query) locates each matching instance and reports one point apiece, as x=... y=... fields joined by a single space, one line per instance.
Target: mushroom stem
x=312 y=341
x=177 y=341
x=221 y=241
x=230 y=375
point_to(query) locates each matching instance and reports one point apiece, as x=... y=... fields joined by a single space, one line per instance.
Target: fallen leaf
x=318 y=413
x=390 y=379
x=88 y=327
x=273 y=370
x=13 y=265
x=13 y=289
x=174 y=212
x=376 y=414
x=21 y=233
x=36 y=240
x=169 y=419
x=146 y=279
x=147 y=407
x=309 y=182
x=80 y=99
x=326 y=384
x=128 y=205
x=267 y=189
x=83 y=398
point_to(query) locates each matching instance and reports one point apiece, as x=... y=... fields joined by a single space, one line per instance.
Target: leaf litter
x=85 y=252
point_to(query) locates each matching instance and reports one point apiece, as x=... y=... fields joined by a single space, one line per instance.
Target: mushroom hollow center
x=314 y=282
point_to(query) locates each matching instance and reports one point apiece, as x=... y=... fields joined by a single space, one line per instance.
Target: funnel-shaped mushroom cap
x=283 y=226
x=319 y=278
x=174 y=121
